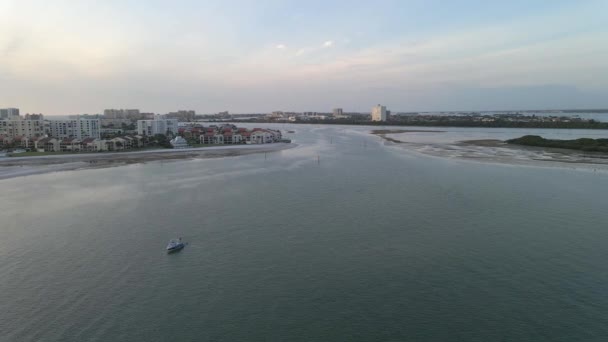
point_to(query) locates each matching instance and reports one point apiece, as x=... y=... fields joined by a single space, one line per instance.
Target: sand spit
x=23 y=166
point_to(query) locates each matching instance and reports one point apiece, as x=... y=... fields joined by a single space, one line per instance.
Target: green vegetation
x=161 y=140
x=501 y=123
x=583 y=144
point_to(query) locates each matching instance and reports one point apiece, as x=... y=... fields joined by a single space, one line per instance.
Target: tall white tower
x=379 y=113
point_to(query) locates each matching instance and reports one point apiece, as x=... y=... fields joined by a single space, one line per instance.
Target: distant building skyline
x=133 y=114
x=121 y=113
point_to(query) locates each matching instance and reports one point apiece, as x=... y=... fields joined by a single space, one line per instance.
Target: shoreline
x=559 y=150
x=11 y=167
x=598 y=125
x=533 y=154
x=383 y=132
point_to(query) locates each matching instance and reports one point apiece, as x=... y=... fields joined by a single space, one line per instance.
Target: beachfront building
x=69 y=145
x=65 y=139
x=89 y=145
x=23 y=142
x=231 y=135
x=5 y=140
x=264 y=136
x=18 y=127
x=74 y=128
x=50 y=144
x=96 y=145
x=126 y=142
x=225 y=134
x=258 y=137
x=47 y=145
x=207 y=137
x=218 y=139
x=232 y=138
x=117 y=144
x=379 y=113
x=159 y=125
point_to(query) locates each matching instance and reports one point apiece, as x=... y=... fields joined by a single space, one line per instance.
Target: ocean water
x=342 y=238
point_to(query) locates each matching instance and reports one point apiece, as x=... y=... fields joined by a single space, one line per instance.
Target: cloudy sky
x=80 y=56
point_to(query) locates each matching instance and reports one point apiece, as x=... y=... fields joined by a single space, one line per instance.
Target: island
x=583 y=144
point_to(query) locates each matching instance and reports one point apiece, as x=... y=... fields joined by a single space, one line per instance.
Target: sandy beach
x=23 y=166
x=383 y=133
x=492 y=150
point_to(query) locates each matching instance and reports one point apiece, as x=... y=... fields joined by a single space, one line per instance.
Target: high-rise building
x=337 y=112
x=22 y=128
x=379 y=113
x=121 y=114
x=74 y=128
x=9 y=113
x=159 y=125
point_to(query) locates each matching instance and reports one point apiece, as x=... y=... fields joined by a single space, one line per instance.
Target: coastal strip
x=383 y=132
x=24 y=166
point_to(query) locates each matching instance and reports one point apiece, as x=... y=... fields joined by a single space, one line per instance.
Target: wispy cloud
x=531 y=51
x=310 y=50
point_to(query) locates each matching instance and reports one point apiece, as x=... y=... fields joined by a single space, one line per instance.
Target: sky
x=73 y=57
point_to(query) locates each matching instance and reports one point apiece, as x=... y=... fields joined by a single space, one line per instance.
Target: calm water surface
x=371 y=244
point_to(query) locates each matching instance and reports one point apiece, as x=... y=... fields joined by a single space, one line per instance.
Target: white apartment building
x=74 y=128
x=22 y=128
x=379 y=113
x=160 y=125
x=337 y=112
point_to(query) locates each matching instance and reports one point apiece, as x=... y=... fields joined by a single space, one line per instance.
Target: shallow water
x=341 y=238
x=447 y=143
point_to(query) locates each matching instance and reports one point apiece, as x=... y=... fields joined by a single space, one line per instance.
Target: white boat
x=175 y=245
